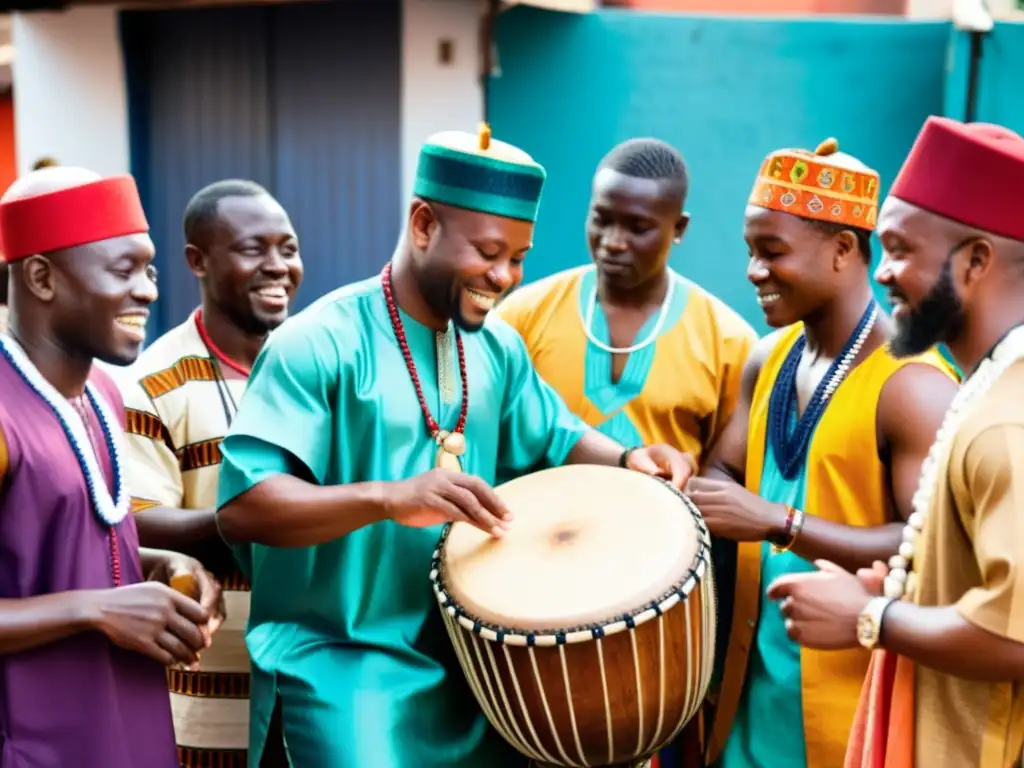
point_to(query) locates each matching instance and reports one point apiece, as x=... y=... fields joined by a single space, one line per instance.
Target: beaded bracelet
x=794 y=524
x=624 y=457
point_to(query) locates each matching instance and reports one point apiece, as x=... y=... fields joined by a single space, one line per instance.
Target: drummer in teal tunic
x=344 y=461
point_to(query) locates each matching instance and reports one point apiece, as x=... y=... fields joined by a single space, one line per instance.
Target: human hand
x=152 y=619
x=441 y=496
x=188 y=576
x=821 y=608
x=873 y=578
x=732 y=512
x=661 y=460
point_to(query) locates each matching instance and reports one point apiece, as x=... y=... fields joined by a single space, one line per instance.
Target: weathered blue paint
x=304 y=99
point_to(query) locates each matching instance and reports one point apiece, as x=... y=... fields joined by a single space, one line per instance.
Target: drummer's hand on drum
x=662 y=460
x=442 y=496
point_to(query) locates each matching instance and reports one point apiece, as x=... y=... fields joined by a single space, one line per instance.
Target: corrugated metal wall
x=304 y=99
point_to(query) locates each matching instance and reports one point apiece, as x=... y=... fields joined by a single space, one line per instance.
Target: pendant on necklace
x=451 y=445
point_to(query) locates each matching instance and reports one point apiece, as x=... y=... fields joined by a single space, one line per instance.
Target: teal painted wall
x=725 y=91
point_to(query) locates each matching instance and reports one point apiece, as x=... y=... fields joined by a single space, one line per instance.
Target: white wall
x=69 y=85
x=435 y=96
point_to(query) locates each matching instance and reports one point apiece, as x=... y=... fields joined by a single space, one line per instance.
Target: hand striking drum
x=587 y=631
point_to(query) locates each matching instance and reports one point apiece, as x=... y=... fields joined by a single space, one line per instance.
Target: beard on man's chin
x=462 y=323
x=939 y=318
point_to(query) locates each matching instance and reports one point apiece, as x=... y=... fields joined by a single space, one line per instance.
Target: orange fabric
x=824 y=185
x=883 y=728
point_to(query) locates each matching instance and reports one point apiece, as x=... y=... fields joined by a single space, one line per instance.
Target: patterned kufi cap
x=479 y=173
x=826 y=184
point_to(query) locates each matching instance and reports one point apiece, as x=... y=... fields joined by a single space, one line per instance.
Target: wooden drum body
x=587 y=632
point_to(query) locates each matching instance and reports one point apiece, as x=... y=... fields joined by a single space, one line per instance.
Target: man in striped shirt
x=180 y=397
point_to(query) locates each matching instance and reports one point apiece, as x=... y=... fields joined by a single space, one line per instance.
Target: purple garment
x=82 y=701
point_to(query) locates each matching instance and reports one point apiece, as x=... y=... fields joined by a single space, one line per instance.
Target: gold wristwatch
x=869 y=623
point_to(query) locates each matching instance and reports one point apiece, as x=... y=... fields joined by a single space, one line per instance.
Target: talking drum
x=587 y=632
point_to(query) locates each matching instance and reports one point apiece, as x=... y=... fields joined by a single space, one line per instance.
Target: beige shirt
x=972 y=556
x=3 y=318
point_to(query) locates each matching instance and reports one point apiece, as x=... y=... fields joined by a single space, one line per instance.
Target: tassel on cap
x=828 y=147
x=485 y=137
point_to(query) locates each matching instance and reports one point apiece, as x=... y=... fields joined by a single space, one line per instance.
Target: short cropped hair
x=650 y=159
x=831 y=229
x=201 y=211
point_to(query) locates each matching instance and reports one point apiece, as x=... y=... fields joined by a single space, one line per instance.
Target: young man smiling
x=85 y=628
x=945 y=611
x=821 y=458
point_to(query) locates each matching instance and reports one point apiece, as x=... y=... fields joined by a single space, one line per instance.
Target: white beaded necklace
x=901 y=579
x=588 y=320
x=110 y=510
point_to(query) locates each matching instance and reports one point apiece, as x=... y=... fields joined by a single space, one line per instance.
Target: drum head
x=588 y=543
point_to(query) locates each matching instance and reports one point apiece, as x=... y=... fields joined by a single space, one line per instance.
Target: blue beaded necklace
x=790 y=447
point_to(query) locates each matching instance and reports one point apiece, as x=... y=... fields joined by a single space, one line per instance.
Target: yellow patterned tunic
x=178 y=402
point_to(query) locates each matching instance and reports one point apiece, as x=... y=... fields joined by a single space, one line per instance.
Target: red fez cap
x=972 y=173
x=64 y=218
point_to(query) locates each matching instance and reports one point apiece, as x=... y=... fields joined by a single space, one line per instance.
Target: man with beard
x=181 y=396
x=86 y=627
x=329 y=470
x=820 y=460
x=946 y=612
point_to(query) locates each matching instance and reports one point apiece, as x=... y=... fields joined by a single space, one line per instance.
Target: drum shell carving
x=607 y=694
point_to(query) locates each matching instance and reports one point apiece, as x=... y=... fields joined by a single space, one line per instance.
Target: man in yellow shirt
x=635 y=349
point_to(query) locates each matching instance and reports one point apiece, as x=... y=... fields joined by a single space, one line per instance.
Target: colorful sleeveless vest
x=846 y=484
x=80 y=701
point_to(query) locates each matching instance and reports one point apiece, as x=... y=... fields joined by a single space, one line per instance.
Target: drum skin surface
x=587 y=632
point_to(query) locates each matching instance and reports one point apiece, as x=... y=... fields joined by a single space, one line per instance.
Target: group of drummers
x=674 y=543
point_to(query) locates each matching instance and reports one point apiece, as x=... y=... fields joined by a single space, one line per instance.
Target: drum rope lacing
x=498 y=678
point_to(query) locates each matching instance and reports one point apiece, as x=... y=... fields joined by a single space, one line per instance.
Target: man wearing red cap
x=85 y=626
x=946 y=615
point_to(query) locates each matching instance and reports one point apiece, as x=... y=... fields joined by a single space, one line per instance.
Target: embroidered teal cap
x=479 y=173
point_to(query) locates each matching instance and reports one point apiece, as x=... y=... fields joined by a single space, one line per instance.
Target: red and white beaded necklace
x=451 y=445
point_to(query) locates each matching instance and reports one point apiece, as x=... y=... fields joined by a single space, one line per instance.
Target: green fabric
x=479 y=183
x=474 y=200
x=769 y=725
x=349 y=633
